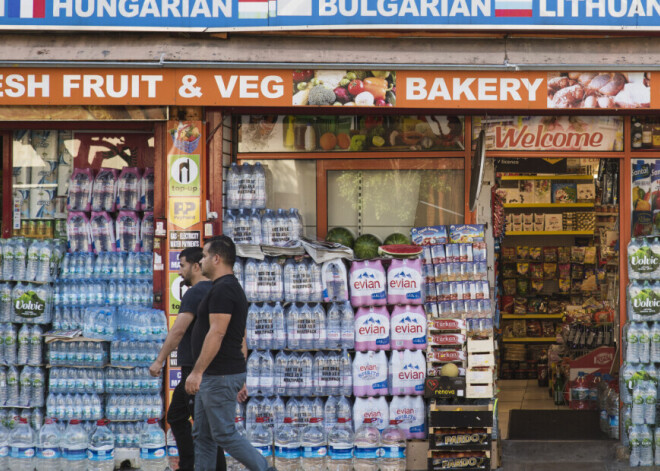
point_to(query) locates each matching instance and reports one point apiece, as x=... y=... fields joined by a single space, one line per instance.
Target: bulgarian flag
x=513 y=8
x=253 y=9
x=26 y=8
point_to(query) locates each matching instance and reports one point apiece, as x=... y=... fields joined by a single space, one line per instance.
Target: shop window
x=292 y=184
x=371 y=198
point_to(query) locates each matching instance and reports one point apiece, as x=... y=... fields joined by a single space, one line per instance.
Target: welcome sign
x=232 y=15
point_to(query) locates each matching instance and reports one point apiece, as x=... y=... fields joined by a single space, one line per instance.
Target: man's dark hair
x=193 y=254
x=224 y=247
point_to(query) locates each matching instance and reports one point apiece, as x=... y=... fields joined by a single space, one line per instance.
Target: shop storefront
x=340 y=150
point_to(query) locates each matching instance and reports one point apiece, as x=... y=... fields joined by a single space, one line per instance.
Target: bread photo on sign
x=598 y=90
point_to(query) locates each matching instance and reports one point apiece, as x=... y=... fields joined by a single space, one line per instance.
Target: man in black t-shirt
x=181 y=407
x=220 y=351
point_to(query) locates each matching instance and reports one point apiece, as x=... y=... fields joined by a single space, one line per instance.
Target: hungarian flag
x=513 y=8
x=26 y=8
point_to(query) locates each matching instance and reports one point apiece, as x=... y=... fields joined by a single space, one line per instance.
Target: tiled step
x=585 y=455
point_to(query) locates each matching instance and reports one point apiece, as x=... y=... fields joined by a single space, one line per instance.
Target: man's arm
x=244 y=348
x=218 y=324
x=243 y=393
x=174 y=336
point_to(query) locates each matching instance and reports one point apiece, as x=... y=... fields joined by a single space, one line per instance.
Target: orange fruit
x=343 y=140
x=328 y=141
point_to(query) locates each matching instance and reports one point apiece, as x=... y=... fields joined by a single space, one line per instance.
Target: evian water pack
x=367 y=281
x=407 y=372
x=372 y=408
x=370 y=374
x=372 y=329
x=411 y=412
x=80 y=190
x=408 y=328
x=404 y=282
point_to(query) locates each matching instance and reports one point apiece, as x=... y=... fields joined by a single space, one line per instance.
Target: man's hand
x=193 y=382
x=242 y=394
x=155 y=368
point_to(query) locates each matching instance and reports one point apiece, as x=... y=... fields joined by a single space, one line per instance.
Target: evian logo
x=404 y=279
x=408 y=325
x=372 y=326
x=368 y=279
x=368 y=368
x=411 y=372
x=372 y=415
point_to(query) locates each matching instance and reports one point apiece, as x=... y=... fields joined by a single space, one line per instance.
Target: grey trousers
x=215 y=408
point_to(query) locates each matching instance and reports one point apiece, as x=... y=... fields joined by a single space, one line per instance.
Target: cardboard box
x=481 y=359
x=586 y=192
x=444 y=387
x=479 y=391
x=479 y=376
x=481 y=346
x=553 y=222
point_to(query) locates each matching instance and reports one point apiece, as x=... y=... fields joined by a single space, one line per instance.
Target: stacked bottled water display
x=639 y=374
x=29 y=266
x=247 y=221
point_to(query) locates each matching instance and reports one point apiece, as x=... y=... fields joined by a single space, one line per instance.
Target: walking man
x=182 y=406
x=219 y=351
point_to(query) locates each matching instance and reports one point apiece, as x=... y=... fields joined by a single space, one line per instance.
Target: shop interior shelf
x=547 y=177
x=548 y=205
x=540 y=233
x=532 y=316
x=529 y=339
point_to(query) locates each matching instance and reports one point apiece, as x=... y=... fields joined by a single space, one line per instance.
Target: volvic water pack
x=367 y=283
x=372 y=407
x=407 y=372
x=411 y=412
x=372 y=329
x=408 y=328
x=370 y=374
x=404 y=282
x=644 y=258
x=643 y=302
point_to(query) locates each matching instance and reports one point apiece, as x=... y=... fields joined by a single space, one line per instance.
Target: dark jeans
x=181 y=409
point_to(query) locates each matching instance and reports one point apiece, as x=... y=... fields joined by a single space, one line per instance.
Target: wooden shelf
x=532 y=316
x=548 y=205
x=548 y=177
x=530 y=339
x=540 y=233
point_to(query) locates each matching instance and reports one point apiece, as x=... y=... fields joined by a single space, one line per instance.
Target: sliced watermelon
x=400 y=250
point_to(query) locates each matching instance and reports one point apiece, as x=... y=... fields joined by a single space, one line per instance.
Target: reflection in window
x=381 y=202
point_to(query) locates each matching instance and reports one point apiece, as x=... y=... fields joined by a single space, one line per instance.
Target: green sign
x=177 y=290
x=184 y=175
x=29 y=305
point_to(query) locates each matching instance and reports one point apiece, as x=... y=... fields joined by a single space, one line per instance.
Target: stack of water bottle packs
x=247 y=221
x=110 y=211
x=639 y=374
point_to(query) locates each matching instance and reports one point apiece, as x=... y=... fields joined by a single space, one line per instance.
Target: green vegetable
x=320 y=96
x=351 y=76
x=344 y=82
x=301 y=85
x=361 y=74
x=358 y=142
x=380 y=73
x=315 y=81
x=391 y=97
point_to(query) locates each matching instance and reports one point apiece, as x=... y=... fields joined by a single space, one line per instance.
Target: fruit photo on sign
x=344 y=88
x=186 y=137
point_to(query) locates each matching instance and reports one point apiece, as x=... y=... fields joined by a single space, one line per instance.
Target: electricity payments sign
x=233 y=15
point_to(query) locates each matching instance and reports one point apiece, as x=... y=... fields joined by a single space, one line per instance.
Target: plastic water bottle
x=632 y=341
x=366 y=446
x=340 y=446
x=233 y=181
x=646 y=448
x=153 y=456
x=635 y=445
x=259 y=176
x=32 y=261
x=263 y=282
x=287 y=446
x=172 y=450
x=267 y=374
x=74 y=446
x=101 y=452
x=252 y=376
x=347 y=326
x=38 y=387
x=306 y=366
x=23 y=344
x=267 y=226
x=35 y=356
x=255 y=227
x=650 y=393
x=276 y=281
x=22 y=442
x=292 y=322
x=333 y=327
x=295 y=224
x=314 y=445
x=580 y=393
x=6 y=306
x=48 y=455
x=290 y=287
x=393 y=442
x=20 y=254
x=279 y=327
x=638 y=406
x=346 y=373
x=644 y=342
x=4 y=447
x=261 y=437
x=251 y=278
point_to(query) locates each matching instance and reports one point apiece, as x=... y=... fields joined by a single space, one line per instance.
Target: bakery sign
x=256 y=15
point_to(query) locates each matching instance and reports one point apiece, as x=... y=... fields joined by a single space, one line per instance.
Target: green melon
x=366 y=247
x=396 y=239
x=340 y=235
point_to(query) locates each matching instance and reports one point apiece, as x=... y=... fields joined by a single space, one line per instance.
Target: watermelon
x=340 y=235
x=366 y=247
x=400 y=250
x=396 y=238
